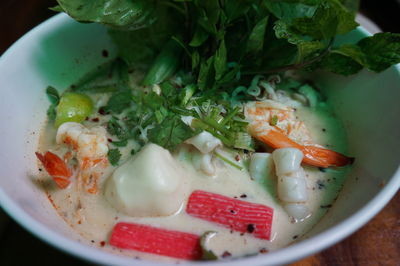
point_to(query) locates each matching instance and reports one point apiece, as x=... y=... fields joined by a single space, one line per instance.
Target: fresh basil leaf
x=220 y=60
x=199 y=37
x=206 y=73
x=257 y=35
x=208 y=15
x=114 y=155
x=235 y=9
x=195 y=59
x=165 y=64
x=123 y=14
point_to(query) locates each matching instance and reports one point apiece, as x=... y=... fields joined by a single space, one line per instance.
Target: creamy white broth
x=92 y=216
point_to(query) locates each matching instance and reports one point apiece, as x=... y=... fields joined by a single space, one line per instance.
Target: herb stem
x=226 y=160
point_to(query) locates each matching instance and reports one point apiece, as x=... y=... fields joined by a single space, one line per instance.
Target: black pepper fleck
x=250 y=228
x=324 y=170
x=320 y=184
x=232 y=211
x=243 y=196
x=40 y=170
x=226 y=254
x=296 y=236
x=263 y=250
x=104 y=53
x=102 y=111
x=323 y=129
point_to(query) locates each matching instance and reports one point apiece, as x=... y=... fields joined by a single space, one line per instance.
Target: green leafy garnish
x=208 y=254
x=274 y=120
x=259 y=36
x=119 y=101
x=203 y=58
x=113 y=156
x=170 y=132
x=54 y=98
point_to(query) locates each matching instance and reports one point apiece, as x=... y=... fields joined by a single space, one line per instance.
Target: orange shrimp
x=56 y=168
x=313 y=155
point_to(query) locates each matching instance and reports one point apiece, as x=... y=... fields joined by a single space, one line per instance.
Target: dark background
x=377 y=243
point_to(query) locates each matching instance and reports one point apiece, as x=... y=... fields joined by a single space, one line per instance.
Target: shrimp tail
x=324 y=158
x=56 y=168
x=315 y=156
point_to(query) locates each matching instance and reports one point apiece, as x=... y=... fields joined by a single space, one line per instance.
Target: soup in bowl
x=180 y=185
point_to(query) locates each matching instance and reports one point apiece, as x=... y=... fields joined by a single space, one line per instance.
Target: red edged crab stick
x=155 y=240
x=238 y=215
x=56 y=168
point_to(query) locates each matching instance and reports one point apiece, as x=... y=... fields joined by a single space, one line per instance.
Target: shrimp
x=276 y=125
x=90 y=146
x=56 y=168
x=291 y=185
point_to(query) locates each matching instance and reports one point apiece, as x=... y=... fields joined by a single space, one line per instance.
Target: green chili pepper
x=165 y=64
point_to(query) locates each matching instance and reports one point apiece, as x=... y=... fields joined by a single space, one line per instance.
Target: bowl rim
x=285 y=255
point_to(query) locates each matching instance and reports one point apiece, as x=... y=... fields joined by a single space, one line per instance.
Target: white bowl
x=58 y=50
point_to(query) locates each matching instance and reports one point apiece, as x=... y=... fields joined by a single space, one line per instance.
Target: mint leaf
x=331 y=18
x=381 y=50
x=287 y=10
x=113 y=156
x=376 y=53
x=340 y=64
x=305 y=47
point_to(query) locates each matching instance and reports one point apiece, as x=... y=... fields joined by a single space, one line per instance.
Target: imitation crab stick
x=235 y=214
x=56 y=168
x=313 y=155
x=154 y=240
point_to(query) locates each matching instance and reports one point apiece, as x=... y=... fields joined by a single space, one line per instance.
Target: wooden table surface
x=377 y=243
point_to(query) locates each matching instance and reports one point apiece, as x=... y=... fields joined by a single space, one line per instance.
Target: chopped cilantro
x=113 y=156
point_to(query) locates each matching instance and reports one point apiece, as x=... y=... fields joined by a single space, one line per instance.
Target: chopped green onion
x=274 y=120
x=226 y=160
x=244 y=141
